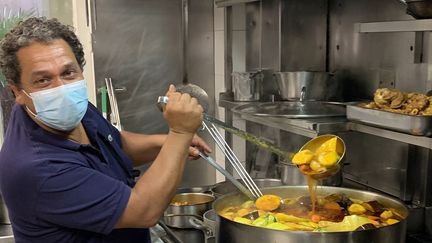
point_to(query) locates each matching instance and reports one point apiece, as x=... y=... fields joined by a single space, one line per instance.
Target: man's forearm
x=142 y=148
x=155 y=188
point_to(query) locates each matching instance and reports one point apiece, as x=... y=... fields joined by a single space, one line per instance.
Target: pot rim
x=210 y=198
x=227 y=182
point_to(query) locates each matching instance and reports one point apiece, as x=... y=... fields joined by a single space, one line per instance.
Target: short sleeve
x=82 y=198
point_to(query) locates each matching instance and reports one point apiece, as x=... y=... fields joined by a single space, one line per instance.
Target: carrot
x=371 y=217
x=315 y=218
x=374 y=220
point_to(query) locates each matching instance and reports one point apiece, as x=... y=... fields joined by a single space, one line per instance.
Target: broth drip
x=312 y=185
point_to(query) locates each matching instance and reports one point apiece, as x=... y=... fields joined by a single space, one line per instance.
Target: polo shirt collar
x=34 y=130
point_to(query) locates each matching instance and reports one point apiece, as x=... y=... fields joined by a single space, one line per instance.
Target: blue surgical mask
x=62 y=107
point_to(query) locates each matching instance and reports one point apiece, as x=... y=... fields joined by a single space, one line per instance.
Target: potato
x=392 y=221
x=303 y=157
x=247 y=204
x=356 y=209
x=317 y=167
x=386 y=214
x=242 y=212
x=331 y=145
x=328 y=159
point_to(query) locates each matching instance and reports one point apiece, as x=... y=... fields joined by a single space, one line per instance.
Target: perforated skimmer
x=250 y=188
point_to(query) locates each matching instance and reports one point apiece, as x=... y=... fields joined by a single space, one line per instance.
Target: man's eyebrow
x=39 y=73
x=68 y=65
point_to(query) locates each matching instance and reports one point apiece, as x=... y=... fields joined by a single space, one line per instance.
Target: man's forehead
x=39 y=54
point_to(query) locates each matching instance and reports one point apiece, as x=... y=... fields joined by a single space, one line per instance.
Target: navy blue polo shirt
x=57 y=190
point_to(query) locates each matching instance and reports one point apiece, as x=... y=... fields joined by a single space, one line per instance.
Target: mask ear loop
x=28 y=109
x=31 y=112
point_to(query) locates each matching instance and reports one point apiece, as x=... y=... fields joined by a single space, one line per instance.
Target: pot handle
x=169 y=232
x=200 y=225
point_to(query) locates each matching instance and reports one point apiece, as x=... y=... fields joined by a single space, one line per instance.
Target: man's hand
x=182 y=112
x=197 y=145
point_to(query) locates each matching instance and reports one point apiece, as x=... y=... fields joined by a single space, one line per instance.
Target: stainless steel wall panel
x=138 y=44
x=270 y=35
x=371 y=57
x=201 y=48
x=303 y=35
x=201 y=72
x=253 y=36
x=376 y=162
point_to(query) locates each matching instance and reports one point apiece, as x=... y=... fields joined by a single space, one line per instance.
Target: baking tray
x=415 y=125
x=292 y=109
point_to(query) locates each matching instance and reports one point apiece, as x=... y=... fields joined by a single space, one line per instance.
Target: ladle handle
x=236 y=183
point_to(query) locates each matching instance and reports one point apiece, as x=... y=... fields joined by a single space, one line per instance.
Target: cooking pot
x=304 y=85
x=228 y=231
x=247 y=86
x=226 y=187
x=291 y=175
x=179 y=216
x=207 y=225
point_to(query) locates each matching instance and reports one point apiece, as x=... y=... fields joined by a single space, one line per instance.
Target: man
x=64 y=170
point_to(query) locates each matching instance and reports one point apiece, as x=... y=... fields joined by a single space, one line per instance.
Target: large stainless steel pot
x=304 y=85
x=227 y=187
x=228 y=231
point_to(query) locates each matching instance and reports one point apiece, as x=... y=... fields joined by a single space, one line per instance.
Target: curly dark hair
x=35 y=29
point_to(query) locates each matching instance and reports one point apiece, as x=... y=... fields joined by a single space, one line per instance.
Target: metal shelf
x=305 y=127
x=313 y=127
x=395 y=26
x=425 y=142
x=226 y=3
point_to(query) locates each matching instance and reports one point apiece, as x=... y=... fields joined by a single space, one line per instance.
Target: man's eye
x=69 y=73
x=42 y=81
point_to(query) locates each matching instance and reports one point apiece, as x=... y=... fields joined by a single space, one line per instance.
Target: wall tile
x=239 y=17
x=239 y=50
x=219 y=53
x=219 y=18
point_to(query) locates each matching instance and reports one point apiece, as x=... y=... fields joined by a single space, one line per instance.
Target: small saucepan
x=207 y=225
x=185 y=206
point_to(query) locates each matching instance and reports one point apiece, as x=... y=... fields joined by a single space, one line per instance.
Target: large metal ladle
x=314 y=144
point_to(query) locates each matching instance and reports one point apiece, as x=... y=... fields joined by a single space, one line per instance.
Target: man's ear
x=19 y=96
